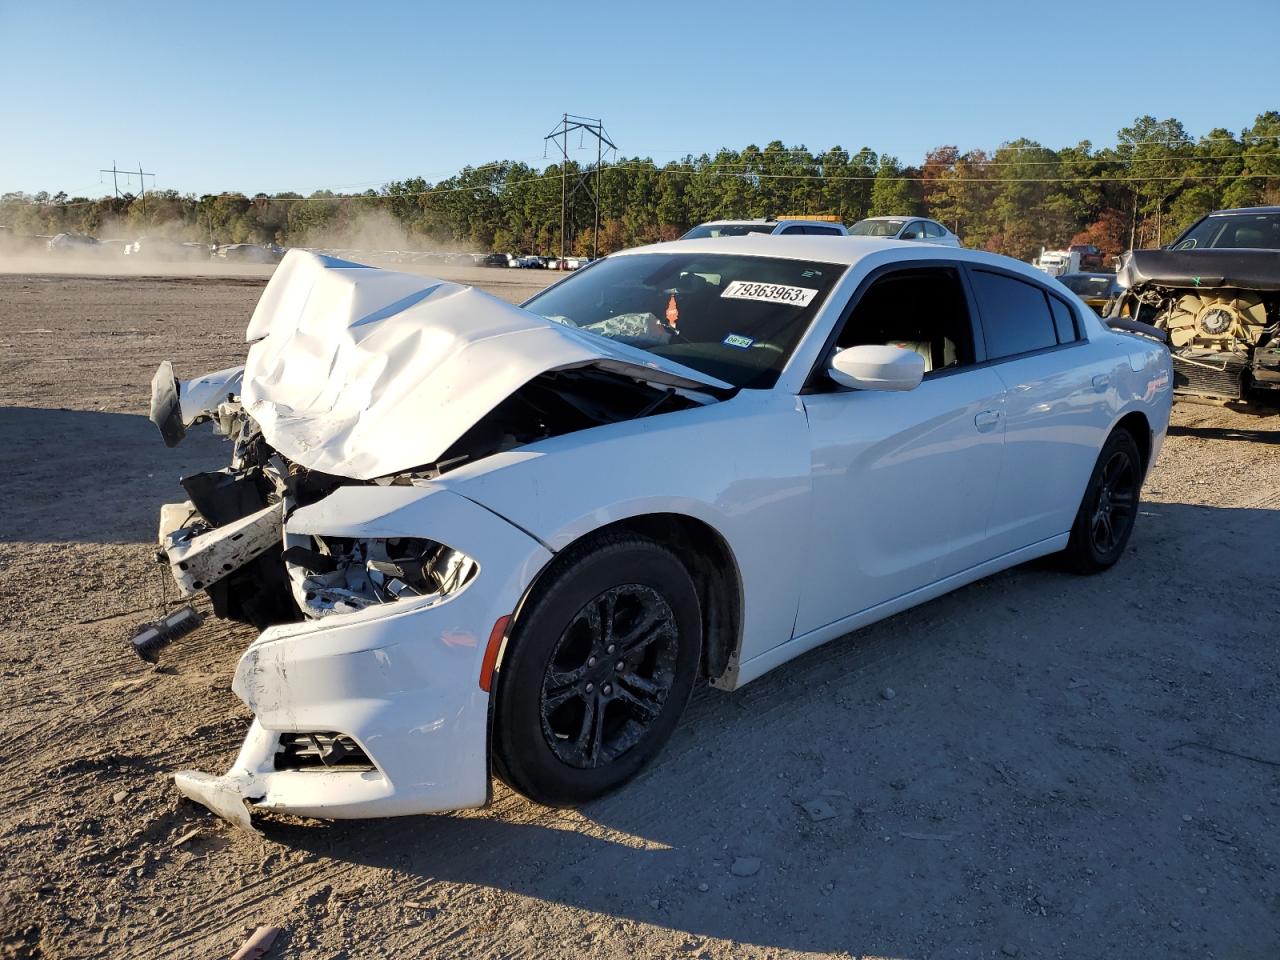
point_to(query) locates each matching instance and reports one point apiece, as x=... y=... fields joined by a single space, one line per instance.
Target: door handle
x=1101 y=381
x=986 y=420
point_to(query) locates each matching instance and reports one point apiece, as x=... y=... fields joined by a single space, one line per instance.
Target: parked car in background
x=496 y=260
x=72 y=243
x=250 y=252
x=164 y=250
x=458 y=523
x=1216 y=291
x=769 y=226
x=1095 y=289
x=905 y=228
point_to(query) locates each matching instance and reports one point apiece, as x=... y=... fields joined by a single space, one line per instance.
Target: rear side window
x=1015 y=315
x=1063 y=320
x=823 y=231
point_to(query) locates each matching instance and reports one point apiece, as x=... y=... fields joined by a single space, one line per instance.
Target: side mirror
x=875 y=367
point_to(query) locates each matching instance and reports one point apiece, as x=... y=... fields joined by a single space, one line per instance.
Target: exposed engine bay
x=227 y=538
x=1220 y=310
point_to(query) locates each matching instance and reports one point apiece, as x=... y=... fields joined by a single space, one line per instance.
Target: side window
x=924 y=310
x=791 y=231
x=1015 y=315
x=823 y=231
x=1064 y=320
x=934 y=230
x=914 y=231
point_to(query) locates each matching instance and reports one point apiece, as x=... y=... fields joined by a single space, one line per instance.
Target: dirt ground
x=1037 y=765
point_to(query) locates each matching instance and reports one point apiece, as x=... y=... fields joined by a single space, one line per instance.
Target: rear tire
x=1108 y=509
x=599 y=668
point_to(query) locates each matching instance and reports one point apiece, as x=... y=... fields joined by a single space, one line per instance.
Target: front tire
x=1109 y=508
x=599 y=668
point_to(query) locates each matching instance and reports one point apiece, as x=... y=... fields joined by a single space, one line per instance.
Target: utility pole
x=142 y=175
x=588 y=179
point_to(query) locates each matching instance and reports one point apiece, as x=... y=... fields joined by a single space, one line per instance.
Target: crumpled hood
x=1238 y=268
x=361 y=372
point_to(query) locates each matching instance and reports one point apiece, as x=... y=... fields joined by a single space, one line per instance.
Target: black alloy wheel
x=609 y=675
x=601 y=661
x=1108 y=509
x=1115 y=503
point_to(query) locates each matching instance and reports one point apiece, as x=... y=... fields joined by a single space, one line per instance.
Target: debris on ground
x=745 y=866
x=258 y=944
x=818 y=810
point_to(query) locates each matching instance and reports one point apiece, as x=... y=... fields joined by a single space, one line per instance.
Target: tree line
x=1154 y=182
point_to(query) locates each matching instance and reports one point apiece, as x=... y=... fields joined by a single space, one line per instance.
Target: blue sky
x=276 y=96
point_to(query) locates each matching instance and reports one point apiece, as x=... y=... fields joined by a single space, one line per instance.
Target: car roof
x=1233 y=211
x=833 y=249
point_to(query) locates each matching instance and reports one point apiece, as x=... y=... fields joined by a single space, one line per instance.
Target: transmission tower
x=587 y=178
x=142 y=181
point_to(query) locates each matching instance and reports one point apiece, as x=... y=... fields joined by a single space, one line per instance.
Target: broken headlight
x=342 y=574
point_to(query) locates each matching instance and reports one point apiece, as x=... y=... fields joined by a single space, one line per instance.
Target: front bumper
x=400 y=679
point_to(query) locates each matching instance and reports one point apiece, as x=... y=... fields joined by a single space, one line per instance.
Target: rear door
x=1056 y=407
x=902 y=483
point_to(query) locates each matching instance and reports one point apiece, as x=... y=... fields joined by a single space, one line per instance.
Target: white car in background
x=784 y=227
x=905 y=228
x=483 y=538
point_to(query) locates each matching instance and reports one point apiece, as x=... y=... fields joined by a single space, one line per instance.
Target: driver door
x=903 y=484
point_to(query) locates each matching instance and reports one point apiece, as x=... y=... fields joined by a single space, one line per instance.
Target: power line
x=703 y=171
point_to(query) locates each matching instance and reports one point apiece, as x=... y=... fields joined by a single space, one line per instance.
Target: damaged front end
x=1220 y=310
x=331 y=532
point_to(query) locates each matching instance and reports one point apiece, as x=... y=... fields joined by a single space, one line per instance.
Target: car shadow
x=83 y=476
x=1226 y=433
x=998 y=766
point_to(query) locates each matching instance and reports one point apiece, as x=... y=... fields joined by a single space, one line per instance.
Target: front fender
x=740 y=466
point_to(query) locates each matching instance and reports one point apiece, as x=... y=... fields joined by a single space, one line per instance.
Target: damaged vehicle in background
x=1215 y=291
x=481 y=538
x=1097 y=290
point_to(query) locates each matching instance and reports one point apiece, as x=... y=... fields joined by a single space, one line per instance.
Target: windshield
x=1090 y=285
x=707 y=230
x=1242 y=231
x=736 y=318
x=876 y=228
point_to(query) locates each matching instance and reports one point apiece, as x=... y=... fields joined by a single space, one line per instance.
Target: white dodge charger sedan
x=482 y=538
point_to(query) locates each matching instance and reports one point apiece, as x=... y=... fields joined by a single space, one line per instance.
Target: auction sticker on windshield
x=769 y=293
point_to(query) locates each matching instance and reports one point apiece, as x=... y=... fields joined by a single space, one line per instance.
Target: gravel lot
x=1037 y=765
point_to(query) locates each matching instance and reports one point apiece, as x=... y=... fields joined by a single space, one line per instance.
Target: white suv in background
x=905 y=228
x=787 y=226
